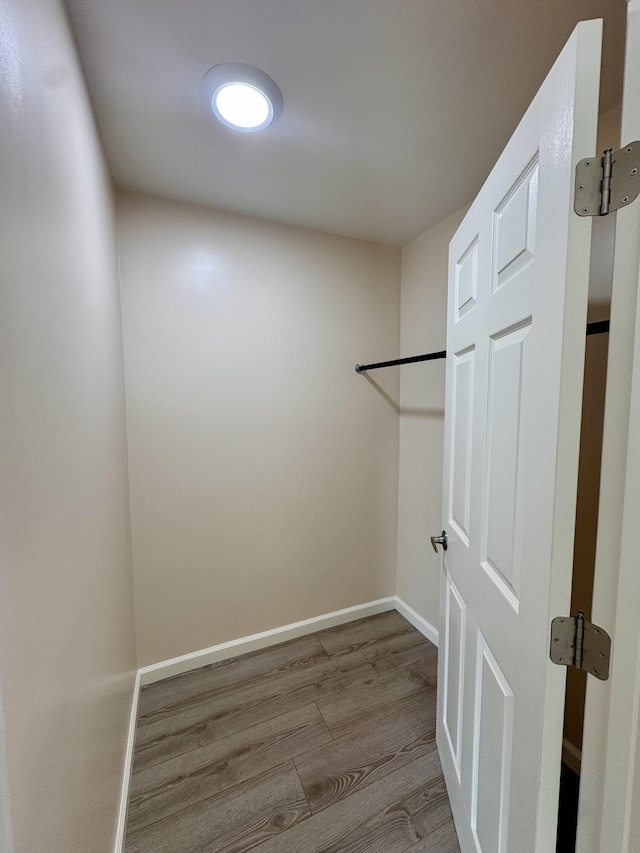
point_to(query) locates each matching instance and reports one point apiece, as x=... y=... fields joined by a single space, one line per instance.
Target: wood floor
x=325 y=744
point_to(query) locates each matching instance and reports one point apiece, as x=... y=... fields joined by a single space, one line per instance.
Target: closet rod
x=430 y=356
x=598 y=328
x=592 y=329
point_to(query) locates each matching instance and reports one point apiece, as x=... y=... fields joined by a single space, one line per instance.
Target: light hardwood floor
x=325 y=744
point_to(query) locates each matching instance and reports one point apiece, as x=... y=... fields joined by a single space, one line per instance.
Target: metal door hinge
x=576 y=642
x=604 y=184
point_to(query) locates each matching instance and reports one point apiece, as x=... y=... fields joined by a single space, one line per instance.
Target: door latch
x=439 y=540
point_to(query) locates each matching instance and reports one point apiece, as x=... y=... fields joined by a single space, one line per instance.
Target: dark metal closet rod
x=597 y=328
x=592 y=329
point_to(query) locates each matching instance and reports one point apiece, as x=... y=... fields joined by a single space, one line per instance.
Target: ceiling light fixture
x=241 y=96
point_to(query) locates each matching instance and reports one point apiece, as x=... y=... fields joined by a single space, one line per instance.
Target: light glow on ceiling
x=242 y=97
x=242 y=106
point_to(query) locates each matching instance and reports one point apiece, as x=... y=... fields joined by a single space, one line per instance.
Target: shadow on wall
x=410 y=412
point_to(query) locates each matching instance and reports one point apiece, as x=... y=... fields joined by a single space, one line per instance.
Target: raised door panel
x=515 y=228
x=492 y=749
x=454 y=667
x=462 y=438
x=506 y=437
x=466 y=280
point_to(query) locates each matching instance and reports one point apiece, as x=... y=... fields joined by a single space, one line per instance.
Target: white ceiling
x=394 y=110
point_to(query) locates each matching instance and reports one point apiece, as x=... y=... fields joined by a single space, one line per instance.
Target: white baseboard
x=571 y=756
x=417 y=621
x=193 y=660
x=128 y=764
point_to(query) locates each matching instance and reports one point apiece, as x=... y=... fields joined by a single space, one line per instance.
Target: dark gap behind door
x=583 y=574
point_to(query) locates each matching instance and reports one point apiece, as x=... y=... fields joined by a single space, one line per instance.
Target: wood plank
x=392 y=655
x=178 y=783
x=236 y=820
x=262 y=664
x=201 y=720
x=364 y=633
x=388 y=816
x=219 y=750
x=360 y=705
x=333 y=772
x=443 y=840
x=387 y=640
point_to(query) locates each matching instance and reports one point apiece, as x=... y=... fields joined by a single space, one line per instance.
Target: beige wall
x=263 y=469
x=66 y=612
x=424 y=329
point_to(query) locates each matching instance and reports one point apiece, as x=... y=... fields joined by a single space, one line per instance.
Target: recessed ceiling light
x=241 y=96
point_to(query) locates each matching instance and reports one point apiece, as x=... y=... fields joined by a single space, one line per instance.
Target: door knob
x=439 y=540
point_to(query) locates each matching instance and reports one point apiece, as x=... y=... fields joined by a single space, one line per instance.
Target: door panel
x=454 y=667
x=466 y=279
x=518 y=280
x=460 y=488
x=515 y=228
x=492 y=748
x=502 y=517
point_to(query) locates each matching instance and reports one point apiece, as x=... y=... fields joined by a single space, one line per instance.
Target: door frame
x=610 y=771
x=6 y=838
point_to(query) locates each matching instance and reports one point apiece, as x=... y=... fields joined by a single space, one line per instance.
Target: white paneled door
x=518 y=282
